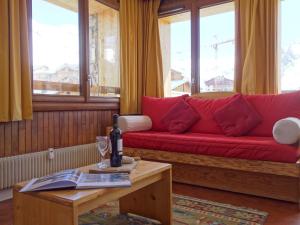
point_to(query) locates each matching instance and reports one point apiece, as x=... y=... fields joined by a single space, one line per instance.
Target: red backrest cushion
x=180 y=117
x=237 y=117
x=273 y=108
x=206 y=108
x=156 y=108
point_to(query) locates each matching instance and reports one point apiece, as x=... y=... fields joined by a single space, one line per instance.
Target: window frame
x=182 y=6
x=44 y=102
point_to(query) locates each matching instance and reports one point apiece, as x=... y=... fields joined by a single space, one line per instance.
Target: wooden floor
x=280 y=213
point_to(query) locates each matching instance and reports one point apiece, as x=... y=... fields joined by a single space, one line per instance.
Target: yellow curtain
x=141 y=60
x=256 y=51
x=15 y=72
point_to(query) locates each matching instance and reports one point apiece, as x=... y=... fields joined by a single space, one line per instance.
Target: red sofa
x=206 y=141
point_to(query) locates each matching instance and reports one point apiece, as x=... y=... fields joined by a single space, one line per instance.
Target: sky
x=290 y=17
x=48 y=13
x=210 y=32
x=55 y=35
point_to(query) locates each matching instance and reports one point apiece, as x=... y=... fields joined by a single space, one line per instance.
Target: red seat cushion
x=206 y=108
x=156 y=108
x=245 y=147
x=273 y=108
x=180 y=117
x=237 y=117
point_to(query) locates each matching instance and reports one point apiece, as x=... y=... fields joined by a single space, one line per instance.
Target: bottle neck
x=115 y=121
x=115 y=124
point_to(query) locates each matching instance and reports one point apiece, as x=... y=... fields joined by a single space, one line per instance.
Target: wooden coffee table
x=149 y=196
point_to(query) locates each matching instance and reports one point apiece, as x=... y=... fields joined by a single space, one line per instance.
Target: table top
x=144 y=170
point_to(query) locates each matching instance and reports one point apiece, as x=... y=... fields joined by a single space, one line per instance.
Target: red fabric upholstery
x=246 y=147
x=180 y=117
x=237 y=117
x=156 y=108
x=206 y=108
x=273 y=108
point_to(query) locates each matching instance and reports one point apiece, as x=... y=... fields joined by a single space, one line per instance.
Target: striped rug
x=186 y=211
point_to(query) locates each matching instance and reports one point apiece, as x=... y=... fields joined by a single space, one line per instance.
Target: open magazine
x=78 y=180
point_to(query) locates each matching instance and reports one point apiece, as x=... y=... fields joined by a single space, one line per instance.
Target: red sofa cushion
x=237 y=117
x=245 y=147
x=180 y=117
x=156 y=108
x=206 y=108
x=273 y=108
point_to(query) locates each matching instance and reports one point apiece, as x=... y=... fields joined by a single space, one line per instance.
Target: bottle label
x=120 y=146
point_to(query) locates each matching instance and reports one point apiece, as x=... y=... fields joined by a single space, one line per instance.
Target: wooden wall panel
x=2 y=151
x=53 y=130
x=27 y=136
x=14 y=138
x=7 y=138
x=22 y=137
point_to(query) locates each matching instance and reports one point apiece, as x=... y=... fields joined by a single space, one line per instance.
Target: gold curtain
x=15 y=72
x=256 y=50
x=141 y=60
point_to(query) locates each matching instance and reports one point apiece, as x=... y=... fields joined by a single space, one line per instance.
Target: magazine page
x=103 y=180
x=64 y=179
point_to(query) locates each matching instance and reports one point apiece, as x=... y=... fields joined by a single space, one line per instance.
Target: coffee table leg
x=30 y=210
x=153 y=201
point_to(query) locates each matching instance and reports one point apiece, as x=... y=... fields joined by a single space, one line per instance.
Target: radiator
x=25 y=167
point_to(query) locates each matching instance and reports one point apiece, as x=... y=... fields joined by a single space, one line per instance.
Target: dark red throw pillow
x=237 y=117
x=156 y=108
x=180 y=117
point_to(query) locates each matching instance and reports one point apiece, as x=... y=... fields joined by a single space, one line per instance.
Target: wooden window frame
x=169 y=8
x=43 y=102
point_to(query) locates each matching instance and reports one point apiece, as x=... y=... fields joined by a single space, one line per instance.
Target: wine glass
x=103 y=146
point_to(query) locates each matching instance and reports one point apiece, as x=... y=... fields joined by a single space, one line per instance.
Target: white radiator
x=25 y=167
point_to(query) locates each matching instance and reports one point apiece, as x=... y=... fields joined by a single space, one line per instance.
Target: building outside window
x=175 y=35
x=104 y=47
x=55 y=47
x=217 y=48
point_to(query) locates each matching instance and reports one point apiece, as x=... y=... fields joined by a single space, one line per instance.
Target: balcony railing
x=61 y=88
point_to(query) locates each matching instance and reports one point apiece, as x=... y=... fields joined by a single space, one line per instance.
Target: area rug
x=186 y=211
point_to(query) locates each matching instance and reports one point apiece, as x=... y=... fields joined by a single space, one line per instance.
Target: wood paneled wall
x=53 y=130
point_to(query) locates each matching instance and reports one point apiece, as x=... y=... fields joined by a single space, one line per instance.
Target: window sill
x=214 y=94
x=42 y=103
x=74 y=106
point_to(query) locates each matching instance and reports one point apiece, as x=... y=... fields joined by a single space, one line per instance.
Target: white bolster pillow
x=134 y=123
x=287 y=131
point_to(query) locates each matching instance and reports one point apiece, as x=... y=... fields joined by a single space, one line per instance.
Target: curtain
x=256 y=51
x=141 y=60
x=15 y=72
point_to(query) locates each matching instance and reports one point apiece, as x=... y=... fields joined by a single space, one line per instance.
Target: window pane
x=55 y=42
x=290 y=46
x=175 y=38
x=104 y=50
x=217 y=48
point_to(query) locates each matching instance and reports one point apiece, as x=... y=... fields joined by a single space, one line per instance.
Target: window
x=175 y=35
x=289 y=46
x=64 y=60
x=217 y=48
x=55 y=47
x=104 y=50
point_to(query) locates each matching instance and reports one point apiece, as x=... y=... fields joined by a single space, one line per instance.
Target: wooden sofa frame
x=260 y=178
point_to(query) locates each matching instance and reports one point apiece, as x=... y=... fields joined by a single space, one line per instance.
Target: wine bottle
x=116 y=144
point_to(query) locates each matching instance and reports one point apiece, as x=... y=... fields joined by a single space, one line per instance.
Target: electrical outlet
x=51 y=154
